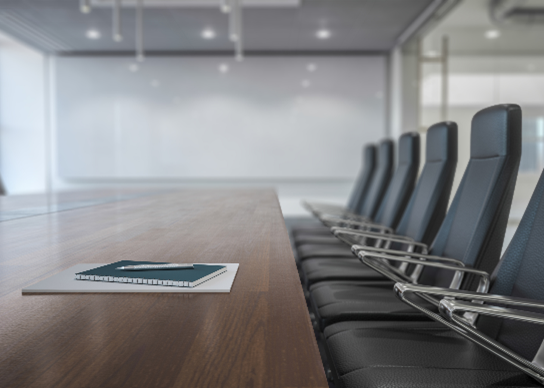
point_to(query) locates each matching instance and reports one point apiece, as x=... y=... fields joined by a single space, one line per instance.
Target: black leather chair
x=471 y=235
x=503 y=348
x=423 y=215
x=355 y=201
x=368 y=206
x=396 y=197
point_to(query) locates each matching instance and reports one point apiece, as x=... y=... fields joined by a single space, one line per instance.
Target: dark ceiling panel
x=357 y=25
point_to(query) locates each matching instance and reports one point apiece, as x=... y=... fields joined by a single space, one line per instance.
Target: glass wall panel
x=493 y=56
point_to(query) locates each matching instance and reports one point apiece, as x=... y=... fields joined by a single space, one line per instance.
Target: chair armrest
x=336 y=221
x=334 y=218
x=459 y=268
x=464 y=326
x=389 y=237
x=357 y=248
x=401 y=288
x=349 y=224
x=448 y=307
x=338 y=232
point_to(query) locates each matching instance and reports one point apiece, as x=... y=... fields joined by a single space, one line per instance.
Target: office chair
x=478 y=340
x=356 y=198
x=471 y=235
x=379 y=181
x=396 y=197
x=421 y=219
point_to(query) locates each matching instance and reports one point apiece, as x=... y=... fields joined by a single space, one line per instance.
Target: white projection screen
x=177 y=117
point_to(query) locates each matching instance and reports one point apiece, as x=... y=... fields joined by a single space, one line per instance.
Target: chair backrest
x=429 y=202
x=380 y=180
x=362 y=183
x=402 y=183
x=474 y=227
x=519 y=274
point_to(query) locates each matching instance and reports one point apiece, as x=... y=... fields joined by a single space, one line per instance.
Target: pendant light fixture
x=233 y=16
x=117 y=21
x=225 y=6
x=238 y=51
x=85 y=6
x=139 y=31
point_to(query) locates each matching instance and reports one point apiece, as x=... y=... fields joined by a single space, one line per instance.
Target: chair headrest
x=496 y=131
x=385 y=153
x=369 y=154
x=409 y=148
x=442 y=142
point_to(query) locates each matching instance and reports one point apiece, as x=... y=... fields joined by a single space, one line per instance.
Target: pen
x=143 y=267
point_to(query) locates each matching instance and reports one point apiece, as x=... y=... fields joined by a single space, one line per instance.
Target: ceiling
x=57 y=26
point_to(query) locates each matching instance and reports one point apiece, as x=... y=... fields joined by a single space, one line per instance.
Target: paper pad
x=65 y=282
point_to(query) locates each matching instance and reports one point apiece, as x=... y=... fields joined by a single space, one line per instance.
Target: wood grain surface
x=259 y=335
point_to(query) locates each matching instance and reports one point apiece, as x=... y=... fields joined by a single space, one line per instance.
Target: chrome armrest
x=349 y=224
x=334 y=218
x=448 y=307
x=459 y=268
x=392 y=238
x=340 y=222
x=339 y=232
x=404 y=266
x=469 y=295
x=357 y=248
x=464 y=325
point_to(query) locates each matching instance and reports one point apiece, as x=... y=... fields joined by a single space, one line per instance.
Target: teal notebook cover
x=187 y=277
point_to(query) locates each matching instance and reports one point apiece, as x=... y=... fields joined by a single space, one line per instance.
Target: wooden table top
x=259 y=335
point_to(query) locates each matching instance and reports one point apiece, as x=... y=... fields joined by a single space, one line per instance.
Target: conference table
x=258 y=335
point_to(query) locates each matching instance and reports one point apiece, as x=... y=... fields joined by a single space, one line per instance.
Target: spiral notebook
x=190 y=277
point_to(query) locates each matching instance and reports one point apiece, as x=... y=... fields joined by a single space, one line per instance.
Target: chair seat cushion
x=320 y=270
x=413 y=354
x=320 y=240
x=359 y=301
x=307 y=251
x=319 y=229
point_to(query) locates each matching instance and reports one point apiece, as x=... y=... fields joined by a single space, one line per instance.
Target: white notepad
x=65 y=282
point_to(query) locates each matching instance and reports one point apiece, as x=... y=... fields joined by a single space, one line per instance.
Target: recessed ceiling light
x=208 y=33
x=223 y=68
x=92 y=34
x=305 y=83
x=311 y=67
x=133 y=67
x=492 y=34
x=323 y=34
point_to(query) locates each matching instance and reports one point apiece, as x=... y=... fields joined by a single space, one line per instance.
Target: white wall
x=181 y=118
x=178 y=121
x=22 y=118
